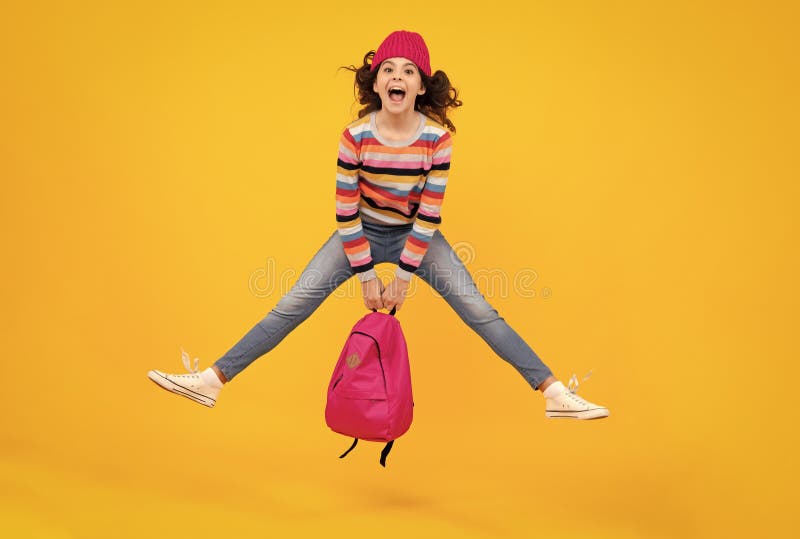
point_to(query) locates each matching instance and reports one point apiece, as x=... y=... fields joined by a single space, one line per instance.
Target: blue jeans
x=441 y=268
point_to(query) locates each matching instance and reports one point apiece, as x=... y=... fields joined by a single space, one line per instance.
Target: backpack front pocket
x=360 y=414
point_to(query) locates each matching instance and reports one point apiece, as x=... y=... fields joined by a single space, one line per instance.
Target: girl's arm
x=428 y=216
x=348 y=220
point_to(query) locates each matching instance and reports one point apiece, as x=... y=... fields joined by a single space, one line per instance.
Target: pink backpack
x=369 y=395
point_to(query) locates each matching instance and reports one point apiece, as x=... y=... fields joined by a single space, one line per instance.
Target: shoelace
x=573 y=384
x=187 y=362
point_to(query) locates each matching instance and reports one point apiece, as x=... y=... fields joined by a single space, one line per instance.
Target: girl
x=391 y=175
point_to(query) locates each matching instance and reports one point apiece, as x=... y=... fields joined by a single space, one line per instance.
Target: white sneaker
x=189 y=385
x=569 y=404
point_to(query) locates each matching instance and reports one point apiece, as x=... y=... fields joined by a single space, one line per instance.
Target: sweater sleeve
x=348 y=220
x=428 y=216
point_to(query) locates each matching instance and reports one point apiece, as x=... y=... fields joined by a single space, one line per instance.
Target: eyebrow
x=406 y=64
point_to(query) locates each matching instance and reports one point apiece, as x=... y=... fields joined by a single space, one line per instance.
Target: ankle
x=553 y=390
x=546 y=383
x=219 y=374
x=211 y=378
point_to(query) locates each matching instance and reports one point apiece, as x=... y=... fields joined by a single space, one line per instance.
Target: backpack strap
x=343 y=455
x=385 y=453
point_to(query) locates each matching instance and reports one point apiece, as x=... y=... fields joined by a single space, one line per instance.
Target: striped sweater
x=391 y=183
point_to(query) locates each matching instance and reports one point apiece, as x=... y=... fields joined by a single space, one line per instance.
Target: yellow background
x=639 y=160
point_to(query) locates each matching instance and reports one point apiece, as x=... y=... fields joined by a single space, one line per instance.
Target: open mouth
x=396 y=95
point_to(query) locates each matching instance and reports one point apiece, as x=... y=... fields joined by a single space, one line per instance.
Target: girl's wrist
x=402 y=282
x=368 y=275
x=402 y=275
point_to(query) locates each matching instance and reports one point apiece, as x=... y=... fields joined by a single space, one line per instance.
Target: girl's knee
x=475 y=309
x=296 y=303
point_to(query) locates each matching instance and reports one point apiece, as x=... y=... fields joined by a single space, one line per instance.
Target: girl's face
x=398 y=85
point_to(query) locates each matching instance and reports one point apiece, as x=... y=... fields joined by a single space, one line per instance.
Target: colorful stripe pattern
x=392 y=185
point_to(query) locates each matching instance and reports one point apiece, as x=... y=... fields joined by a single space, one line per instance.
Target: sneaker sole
x=597 y=413
x=165 y=383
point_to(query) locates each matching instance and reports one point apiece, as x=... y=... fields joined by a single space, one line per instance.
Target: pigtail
x=362 y=87
x=439 y=97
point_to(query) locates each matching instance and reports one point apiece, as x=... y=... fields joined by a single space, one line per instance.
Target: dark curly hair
x=439 y=96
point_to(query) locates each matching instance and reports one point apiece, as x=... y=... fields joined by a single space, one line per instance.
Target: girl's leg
x=328 y=269
x=444 y=271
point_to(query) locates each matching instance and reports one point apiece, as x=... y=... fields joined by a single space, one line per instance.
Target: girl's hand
x=372 y=290
x=395 y=294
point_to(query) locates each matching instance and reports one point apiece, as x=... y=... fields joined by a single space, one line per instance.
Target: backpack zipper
x=380 y=361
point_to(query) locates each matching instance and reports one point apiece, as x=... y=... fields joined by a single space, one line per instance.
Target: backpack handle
x=394 y=310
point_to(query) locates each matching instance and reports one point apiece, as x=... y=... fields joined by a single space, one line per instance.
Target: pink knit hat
x=406 y=44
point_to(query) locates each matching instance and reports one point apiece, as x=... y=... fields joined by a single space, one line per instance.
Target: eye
x=410 y=71
x=387 y=69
